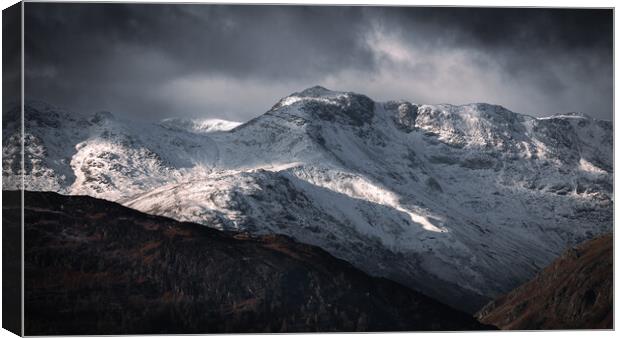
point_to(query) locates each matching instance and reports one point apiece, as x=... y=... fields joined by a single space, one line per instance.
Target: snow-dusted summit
x=460 y=202
x=199 y=125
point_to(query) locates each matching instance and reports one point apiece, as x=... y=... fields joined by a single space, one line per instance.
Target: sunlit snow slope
x=460 y=202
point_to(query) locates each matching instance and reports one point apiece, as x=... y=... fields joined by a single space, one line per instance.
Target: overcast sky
x=150 y=61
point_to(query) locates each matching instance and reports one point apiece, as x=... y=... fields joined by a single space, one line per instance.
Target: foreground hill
x=95 y=267
x=437 y=197
x=574 y=292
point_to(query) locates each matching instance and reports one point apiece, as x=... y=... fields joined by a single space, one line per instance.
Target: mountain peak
x=316 y=91
x=328 y=105
x=578 y=115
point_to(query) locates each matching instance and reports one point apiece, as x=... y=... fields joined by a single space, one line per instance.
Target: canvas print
x=220 y=168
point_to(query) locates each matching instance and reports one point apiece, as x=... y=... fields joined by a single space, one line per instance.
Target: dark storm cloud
x=151 y=61
x=513 y=27
x=562 y=59
x=11 y=56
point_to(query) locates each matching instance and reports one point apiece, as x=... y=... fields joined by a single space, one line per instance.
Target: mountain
x=199 y=125
x=437 y=197
x=96 y=267
x=99 y=154
x=574 y=292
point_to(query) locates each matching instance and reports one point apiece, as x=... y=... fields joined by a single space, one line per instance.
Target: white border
x=472 y=3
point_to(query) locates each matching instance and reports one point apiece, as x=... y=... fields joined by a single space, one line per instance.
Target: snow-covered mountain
x=199 y=125
x=460 y=202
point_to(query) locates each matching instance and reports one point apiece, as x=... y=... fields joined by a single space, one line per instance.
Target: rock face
x=95 y=267
x=437 y=197
x=574 y=292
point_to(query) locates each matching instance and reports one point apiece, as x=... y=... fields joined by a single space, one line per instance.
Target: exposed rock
x=405 y=114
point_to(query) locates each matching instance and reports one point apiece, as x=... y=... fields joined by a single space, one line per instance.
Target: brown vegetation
x=129 y=272
x=574 y=292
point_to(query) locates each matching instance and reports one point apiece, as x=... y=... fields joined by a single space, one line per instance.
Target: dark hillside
x=574 y=292
x=95 y=267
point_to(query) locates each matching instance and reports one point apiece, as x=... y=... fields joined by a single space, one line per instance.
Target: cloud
x=535 y=83
x=223 y=96
x=150 y=61
x=11 y=56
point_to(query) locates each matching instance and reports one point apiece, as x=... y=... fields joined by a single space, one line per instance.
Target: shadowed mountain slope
x=96 y=267
x=574 y=292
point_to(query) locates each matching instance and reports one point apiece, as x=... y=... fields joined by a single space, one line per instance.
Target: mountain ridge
x=437 y=197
